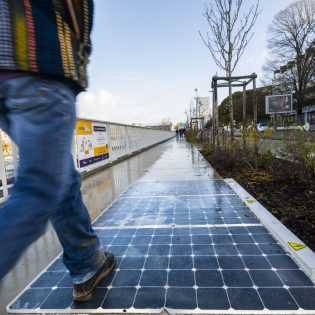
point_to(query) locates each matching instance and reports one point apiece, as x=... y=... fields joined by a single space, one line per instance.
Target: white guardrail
x=95 y=144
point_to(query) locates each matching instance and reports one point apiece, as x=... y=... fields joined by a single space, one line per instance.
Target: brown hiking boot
x=83 y=292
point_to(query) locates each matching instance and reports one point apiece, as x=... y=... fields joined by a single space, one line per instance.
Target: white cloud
x=104 y=105
x=101 y=105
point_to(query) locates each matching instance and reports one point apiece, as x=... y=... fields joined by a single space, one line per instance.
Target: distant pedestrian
x=184 y=132
x=44 y=50
x=177 y=132
x=181 y=132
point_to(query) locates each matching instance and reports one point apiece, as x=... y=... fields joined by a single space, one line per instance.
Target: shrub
x=191 y=135
x=296 y=147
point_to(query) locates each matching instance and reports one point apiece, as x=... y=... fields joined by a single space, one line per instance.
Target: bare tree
x=291 y=48
x=230 y=33
x=187 y=116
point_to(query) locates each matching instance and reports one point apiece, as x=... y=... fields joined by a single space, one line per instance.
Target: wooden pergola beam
x=241 y=77
x=233 y=85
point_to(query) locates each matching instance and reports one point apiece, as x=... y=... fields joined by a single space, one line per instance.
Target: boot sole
x=87 y=297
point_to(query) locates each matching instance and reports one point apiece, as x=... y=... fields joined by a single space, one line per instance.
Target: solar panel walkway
x=189 y=246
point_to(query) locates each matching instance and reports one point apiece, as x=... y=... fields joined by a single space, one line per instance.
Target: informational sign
x=279 y=104
x=203 y=106
x=92 y=142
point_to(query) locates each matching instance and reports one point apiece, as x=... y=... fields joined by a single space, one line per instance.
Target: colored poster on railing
x=92 y=142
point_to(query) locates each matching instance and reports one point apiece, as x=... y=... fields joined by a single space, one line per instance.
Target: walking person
x=44 y=51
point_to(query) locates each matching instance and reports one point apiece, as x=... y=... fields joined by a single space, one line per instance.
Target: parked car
x=262 y=127
x=228 y=128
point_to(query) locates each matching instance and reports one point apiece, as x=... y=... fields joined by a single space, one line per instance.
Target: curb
x=302 y=254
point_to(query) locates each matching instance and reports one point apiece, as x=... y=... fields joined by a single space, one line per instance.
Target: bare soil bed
x=287 y=195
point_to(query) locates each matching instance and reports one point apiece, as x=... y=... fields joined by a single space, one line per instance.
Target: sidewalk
x=185 y=243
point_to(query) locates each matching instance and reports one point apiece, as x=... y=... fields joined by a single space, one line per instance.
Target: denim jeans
x=39 y=114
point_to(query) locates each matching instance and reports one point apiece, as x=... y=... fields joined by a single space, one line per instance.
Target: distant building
x=164 y=127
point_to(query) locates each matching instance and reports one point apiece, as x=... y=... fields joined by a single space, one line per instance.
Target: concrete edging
x=303 y=256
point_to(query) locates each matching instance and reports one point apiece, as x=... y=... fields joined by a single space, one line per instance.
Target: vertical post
x=244 y=116
x=196 y=90
x=128 y=146
x=231 y=107
x=256 y=148
x=244 y=103
x=254 y=100
x=213 y=113
x=215 y=106
x=3 y=175
x=216 y=112
x=210 y=114
x=305 y=118
x=109 y=142
x=74 y=150
x=15 y=157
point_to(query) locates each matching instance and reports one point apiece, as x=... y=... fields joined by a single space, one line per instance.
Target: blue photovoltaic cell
x=176 y=209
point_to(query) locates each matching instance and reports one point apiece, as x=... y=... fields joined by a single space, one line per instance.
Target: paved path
x=184 y=242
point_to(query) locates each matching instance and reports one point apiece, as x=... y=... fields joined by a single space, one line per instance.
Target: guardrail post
x=3 y=175
x=127 y=140
x=109 y=142
x=74 y=150
x=15 y=158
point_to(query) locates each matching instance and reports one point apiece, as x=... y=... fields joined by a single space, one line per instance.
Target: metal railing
x=122 y=141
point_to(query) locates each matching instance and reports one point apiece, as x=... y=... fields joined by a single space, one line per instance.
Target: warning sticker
x=250 y=201
x=296 y=246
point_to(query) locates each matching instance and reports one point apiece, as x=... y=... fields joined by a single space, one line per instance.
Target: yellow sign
x=251 y=201
x=296 y=246
x=84 y=127
x=101 y=150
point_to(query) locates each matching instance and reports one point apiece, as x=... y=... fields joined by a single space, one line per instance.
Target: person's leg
x=41 y=115
x=83 y=253
x=4 y=123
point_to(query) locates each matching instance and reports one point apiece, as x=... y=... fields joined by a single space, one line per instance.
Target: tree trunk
x=231 y=108
x=300 y=101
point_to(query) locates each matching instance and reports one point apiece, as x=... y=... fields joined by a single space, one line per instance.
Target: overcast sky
x=148 y=58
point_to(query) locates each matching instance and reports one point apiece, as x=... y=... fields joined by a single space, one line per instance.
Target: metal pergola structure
x=237 y=81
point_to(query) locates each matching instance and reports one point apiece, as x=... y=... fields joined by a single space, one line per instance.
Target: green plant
x=265 y=160
x=297 y=148
x=192 y=135
x=229 y=153
x=207 y=149
x=257 y=157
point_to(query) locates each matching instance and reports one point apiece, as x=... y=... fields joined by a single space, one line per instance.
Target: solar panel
x=183 y=246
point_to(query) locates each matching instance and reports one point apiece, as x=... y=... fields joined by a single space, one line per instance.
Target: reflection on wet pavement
x=180 y=161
